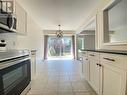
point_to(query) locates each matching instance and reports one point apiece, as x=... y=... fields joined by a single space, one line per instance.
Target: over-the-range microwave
x=8 y=22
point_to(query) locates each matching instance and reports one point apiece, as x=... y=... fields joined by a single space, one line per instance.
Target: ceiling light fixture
x=59 y=33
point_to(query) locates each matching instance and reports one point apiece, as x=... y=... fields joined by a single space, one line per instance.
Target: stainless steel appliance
x=8 y=23
x=15 y=72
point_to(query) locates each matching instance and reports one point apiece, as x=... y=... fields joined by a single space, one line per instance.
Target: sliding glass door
x=59 y=48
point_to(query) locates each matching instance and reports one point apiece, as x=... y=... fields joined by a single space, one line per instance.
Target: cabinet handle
x=100 y=65
x=92 y=55
x=109 y=59
x=80 y=59
x=86 y=59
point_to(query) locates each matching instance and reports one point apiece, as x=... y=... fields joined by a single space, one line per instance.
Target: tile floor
x=59 y=77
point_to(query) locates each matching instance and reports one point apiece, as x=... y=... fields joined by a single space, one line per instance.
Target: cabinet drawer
x=84 y=53
x=93 y=55
x=114 y=60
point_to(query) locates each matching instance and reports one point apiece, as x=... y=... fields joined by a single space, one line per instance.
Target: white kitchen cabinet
x=81 y=64
x=114 y=77
x=85 y=66
x=114 y=81
x=21 y=19
x=33 y=64
x=107 y=72
x=94 y=69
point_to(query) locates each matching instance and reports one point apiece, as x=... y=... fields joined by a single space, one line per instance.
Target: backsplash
x=10 y=39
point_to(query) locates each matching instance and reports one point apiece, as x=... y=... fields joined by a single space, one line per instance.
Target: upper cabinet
x=115 y=22
x=21 y=19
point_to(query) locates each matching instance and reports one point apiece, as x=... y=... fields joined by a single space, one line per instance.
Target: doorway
x=60 y=48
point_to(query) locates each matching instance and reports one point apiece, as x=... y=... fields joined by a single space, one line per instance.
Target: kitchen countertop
x=6 y=55
x=108 y=51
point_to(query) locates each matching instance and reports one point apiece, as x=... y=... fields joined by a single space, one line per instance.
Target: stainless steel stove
x=15 y=72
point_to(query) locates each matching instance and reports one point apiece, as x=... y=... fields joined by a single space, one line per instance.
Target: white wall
x=89 y=42
x=10 y=39
x=33 y=40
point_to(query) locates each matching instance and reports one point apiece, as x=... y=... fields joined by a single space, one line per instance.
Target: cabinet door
x=114 y=80
x=94 y=75
x=21 y=19
x=33 y=66
x=86 y=68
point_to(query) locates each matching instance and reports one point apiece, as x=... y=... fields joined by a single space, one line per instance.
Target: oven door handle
x=12 y=62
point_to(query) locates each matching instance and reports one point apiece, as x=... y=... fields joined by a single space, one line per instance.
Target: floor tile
x=59 y=77
x=82 y=94
x=65 y=93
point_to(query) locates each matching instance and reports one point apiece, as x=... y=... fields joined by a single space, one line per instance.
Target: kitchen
x=14 y=52
x=23 y=47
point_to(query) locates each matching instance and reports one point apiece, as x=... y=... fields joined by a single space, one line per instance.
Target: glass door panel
x=59 y=47
x=80 y=45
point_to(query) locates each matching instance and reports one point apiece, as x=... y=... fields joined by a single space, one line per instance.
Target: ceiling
x=49 y=13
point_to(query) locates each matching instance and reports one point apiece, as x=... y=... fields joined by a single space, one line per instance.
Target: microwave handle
x=10 y=24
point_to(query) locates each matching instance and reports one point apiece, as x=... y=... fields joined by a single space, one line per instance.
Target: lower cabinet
x=114 y=75
x=94 y=74
x=86 y=69
x=33 y=64
x=114 y=80
x=85 y=66
x=107 y=73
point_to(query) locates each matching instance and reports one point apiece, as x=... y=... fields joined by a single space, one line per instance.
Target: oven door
x=15 y=78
